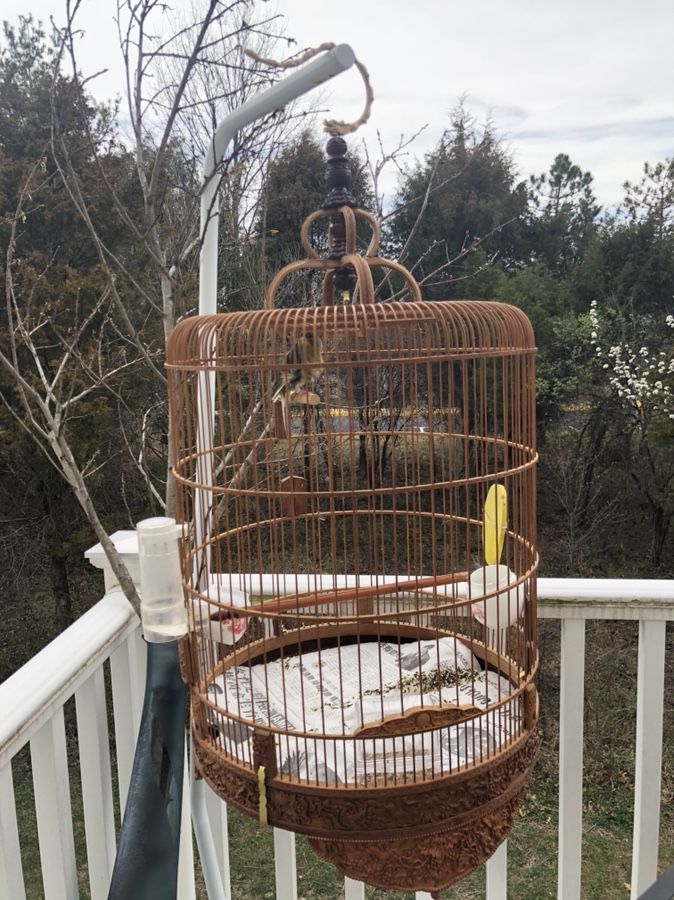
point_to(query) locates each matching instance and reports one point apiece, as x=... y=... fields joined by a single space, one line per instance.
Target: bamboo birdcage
x=362 y=651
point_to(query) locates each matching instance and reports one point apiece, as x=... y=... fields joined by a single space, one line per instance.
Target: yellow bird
x=307 y=356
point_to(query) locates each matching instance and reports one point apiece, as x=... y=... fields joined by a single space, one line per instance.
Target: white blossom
x=636 y=376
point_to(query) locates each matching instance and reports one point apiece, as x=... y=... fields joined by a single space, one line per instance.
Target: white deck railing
x=107 y=637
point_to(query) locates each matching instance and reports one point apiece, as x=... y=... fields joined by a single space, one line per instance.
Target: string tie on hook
x=332 y=126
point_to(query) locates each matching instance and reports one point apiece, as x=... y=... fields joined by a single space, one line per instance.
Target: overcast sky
x=593 y=79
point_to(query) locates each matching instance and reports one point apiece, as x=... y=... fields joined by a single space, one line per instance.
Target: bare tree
x=576 y=471
x=180 y=81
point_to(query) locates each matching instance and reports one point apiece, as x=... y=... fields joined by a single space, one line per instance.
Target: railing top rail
x=30 y=696
x=606 y=598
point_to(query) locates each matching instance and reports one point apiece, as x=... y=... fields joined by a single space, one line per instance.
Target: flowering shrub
x=641 y=378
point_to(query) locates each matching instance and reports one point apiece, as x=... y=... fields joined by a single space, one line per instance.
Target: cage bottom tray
x=422 y=831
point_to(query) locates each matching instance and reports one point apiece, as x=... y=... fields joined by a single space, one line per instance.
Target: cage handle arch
x=362 y=266
x=349 y=215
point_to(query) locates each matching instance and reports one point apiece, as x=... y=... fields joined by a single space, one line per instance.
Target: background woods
x=99 y=230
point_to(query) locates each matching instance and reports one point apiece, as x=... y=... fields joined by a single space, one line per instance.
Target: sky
x=592 y=79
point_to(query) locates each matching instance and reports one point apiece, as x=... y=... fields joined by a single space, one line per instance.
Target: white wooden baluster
x=92 y=736
x=497 y=873
x=127 y=668
x=353 y=890
x=11 y=874
x=186 y=885
x=52 y=807
x=217 y=816
x=650 y=697
x=123 y=713
x=137 y=650
x=572 y=676
x=285 y=865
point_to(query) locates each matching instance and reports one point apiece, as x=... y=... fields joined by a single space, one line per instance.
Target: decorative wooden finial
x=338 y=181
x=338 y=175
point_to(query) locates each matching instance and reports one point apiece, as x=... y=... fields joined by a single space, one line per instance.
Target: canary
x=307 y=356
x=228 y=626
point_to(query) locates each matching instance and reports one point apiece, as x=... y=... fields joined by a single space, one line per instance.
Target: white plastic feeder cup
x=162 y=609
x=503 y=609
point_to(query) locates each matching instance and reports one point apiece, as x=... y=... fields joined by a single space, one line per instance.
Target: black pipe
x=662 y=889
x=146 y=865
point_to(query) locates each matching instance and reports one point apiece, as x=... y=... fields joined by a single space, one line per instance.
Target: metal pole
x=316 y=72
x=147 y=854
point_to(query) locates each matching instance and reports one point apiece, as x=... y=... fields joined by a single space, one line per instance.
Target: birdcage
x=358 y=481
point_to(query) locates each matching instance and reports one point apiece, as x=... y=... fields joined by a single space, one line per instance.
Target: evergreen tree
x=564 y=211
x=652 y=200
x=464 y=197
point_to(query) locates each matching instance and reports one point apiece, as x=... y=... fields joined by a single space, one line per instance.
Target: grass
x=532 y=856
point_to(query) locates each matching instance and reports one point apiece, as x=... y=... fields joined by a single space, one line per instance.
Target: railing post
x=497 y=873
x=127 y=662
x=99 y=820
x=353 y=890
x=186 y=886
x=126 y=544
x=217 y=814
x=285 y=864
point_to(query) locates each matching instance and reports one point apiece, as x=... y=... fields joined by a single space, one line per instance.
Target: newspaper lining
x=336 y=691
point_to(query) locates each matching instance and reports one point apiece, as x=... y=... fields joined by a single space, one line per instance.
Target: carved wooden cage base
x=406 y=835
x=429 y=862
x=428 y=834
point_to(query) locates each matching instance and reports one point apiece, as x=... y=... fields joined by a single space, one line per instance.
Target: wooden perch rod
x=356 y=593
